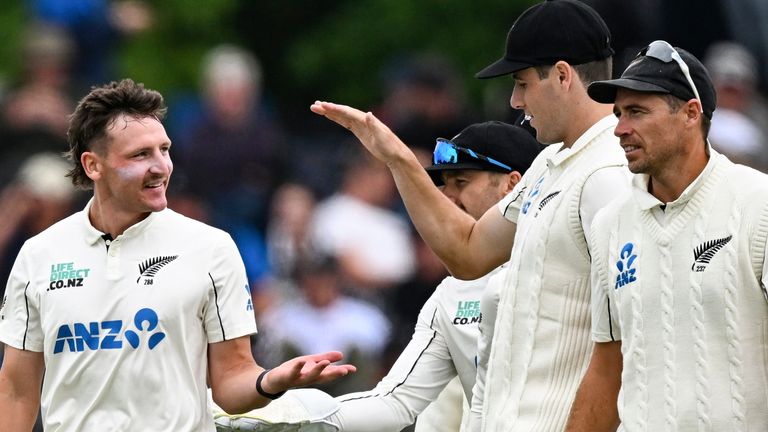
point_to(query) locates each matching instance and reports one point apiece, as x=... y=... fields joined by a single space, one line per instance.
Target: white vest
x=687 y=302
x=541 y=344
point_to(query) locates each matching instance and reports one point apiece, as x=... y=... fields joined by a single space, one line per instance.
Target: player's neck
x=583 y=118
x=109 y=219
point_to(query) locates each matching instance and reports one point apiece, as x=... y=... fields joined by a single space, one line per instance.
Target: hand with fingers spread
x=375 y=135
x=305 y=370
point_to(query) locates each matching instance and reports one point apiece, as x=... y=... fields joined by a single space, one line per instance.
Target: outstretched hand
x=375 y=135
x=306 y=370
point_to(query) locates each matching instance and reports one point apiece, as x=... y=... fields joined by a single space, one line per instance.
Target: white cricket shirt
x=443 y=344
x=125 y=329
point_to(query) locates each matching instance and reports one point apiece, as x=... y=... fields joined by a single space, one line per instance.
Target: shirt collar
x=93 y=235
x=646 y=201
x=604 y=124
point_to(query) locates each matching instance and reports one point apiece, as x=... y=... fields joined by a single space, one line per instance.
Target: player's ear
x=513 y=179
x=564 y=73
x=92 y=165
x=692 y=112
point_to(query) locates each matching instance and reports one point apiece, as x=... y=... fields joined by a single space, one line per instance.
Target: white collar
x=608 y=122
x=647 y=201
x=92 y=235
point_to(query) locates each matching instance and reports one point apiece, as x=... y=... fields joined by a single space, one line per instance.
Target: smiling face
x=131 y=168
x=649 y=131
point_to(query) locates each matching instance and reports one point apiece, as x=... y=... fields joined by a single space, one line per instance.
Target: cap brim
x=501 y=67
x=605 y=91
x=435 y=170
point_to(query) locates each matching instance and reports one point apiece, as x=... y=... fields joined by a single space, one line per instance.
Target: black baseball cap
x=509 y=144
x=650 y=75
x=551 y=31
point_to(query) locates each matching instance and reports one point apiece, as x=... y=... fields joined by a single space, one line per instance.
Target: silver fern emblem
x=704 y=253
x=547 y=199
x=150 y=267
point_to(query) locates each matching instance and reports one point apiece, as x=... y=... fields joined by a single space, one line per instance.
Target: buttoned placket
x=113 y=258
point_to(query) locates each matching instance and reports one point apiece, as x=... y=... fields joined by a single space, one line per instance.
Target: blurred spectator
x=40 y=195
x=34 y=115
x=408 y=297
x=95 y=26
x=748 y=21
x=231 y=153
x=322 y=318
x=739 y=128
x=424 y=98
x=288 y=239
x=357 y=226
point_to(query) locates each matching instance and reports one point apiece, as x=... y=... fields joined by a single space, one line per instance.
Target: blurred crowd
x=333 y=260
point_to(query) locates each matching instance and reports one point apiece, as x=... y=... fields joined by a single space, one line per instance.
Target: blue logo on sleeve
x=249 y=305
x=535 y=191
x=105 y=335
x=625 y=264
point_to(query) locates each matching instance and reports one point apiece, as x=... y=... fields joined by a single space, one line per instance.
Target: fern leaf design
x=704 y=253
x=151 y=266
x=547 y=199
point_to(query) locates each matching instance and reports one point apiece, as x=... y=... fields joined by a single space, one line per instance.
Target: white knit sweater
x=683 y=291
x=541 y=341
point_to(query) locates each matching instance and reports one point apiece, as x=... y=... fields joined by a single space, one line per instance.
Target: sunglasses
x=447 y=152
x=662 y=50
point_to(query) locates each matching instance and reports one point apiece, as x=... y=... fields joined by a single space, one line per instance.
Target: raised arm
x=468 y=248
x=21 y=376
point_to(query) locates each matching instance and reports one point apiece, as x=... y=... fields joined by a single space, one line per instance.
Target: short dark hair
x=589 y=72
x=95 y=113
x=675 y=103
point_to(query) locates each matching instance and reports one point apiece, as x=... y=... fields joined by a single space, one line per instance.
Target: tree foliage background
x=308 y=49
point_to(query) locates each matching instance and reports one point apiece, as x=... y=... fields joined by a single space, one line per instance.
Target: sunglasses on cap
x=447 y=152
x=662 y=50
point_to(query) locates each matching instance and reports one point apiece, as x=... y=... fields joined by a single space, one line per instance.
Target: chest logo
x=626 y=265
x=150 y=267
x=66 y=275
x=534 y=192
x=544 y=201
x=468 y=312
x=704 y=253
x=106 y=335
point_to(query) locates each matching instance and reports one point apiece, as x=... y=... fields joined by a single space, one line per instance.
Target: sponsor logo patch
x=626 y=265
x=467 y=312
x=110 y=334
x=66 y=275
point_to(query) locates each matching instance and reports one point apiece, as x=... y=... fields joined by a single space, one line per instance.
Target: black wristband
x=260 y=389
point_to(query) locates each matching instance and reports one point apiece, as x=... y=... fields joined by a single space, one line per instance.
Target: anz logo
x=625 y=264
x=532 y=194
x=106 y=335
